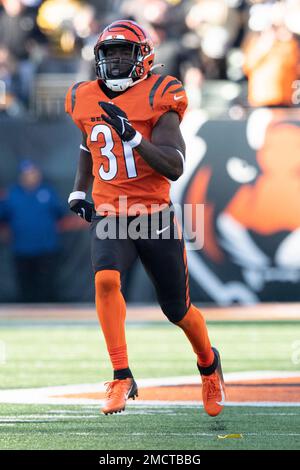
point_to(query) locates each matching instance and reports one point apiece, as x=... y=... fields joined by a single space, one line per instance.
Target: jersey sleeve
x=170 y=95
x=70 y=104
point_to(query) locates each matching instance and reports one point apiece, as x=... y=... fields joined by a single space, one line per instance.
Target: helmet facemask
x=118 y=63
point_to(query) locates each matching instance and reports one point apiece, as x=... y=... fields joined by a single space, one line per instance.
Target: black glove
x=118 y=120
x=83 y=208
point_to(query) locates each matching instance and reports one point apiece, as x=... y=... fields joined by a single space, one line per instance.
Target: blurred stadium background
x=239 y=62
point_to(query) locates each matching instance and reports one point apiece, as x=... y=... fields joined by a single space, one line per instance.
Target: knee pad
x=107 y=282
x=174 y=310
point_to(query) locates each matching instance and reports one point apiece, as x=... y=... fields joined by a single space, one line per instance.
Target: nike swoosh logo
x=129 y=392
x=178 y=97
x=122 y=121
x=82 y=213
x=162 y=230
x=222 y=402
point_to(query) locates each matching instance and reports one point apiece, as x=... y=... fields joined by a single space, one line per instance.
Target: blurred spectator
x=176 y=56
x=21 y=35
x=217 y=25
x=32 y=209
x=197 y=40
x=10 y=104
x=174 y=48
x=65 y=23
x=271 y=58
x=68 y=26
x=18 y=28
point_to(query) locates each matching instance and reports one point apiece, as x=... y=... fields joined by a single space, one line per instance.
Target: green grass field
x=170 y=428
x=47 y=354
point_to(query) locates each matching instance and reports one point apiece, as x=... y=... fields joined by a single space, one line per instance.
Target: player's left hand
x=118 y=119
x=83 y=208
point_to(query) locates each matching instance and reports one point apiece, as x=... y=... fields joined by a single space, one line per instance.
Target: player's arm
x=165 y=153
x=82 y=183
x=84 y=174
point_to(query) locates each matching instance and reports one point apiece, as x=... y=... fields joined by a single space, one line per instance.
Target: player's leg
x=111 y=310
x=165 y=261
x=110 y=257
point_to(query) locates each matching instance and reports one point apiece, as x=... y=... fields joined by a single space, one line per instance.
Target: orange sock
x=111 y=310
x=194 y=326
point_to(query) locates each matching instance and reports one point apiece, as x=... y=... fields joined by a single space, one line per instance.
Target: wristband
x=76 y=195
x=136 y=140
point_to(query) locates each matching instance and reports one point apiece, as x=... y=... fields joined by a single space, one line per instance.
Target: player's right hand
x=83 y=208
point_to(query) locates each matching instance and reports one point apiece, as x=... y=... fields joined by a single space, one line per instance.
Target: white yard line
x=56 y=395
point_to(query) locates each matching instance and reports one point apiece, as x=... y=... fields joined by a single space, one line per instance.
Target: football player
x=132 y=147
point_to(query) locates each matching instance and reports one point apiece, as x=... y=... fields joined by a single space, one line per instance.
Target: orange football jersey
x=117 y=168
